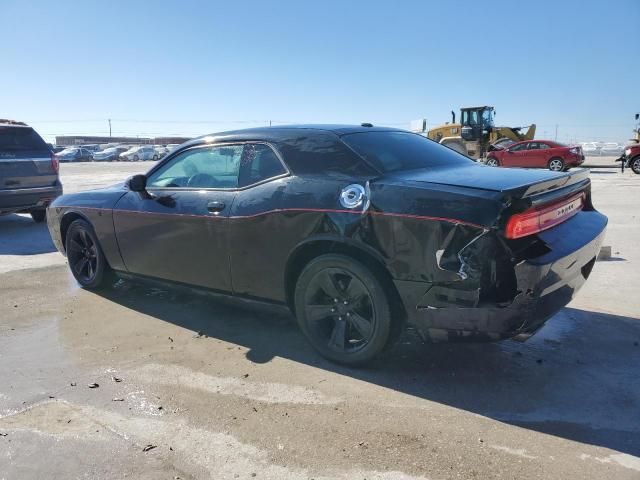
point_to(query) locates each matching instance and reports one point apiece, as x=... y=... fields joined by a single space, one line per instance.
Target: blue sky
x=188 y=67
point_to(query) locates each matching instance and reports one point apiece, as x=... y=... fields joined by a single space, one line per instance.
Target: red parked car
x=537 y=154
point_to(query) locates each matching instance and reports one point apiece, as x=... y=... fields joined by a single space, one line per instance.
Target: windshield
x=396 y=151
x=487 y=118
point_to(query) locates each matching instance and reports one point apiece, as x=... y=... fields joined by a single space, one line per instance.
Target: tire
x=635 y=165
x=39 y=215
x=556 y=165
x=343 y=309
x=136 y=158
x=155 y=158
x=492 y=162
x=86 y=259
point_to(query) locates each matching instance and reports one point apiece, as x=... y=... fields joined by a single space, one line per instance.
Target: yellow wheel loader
x=476 y=133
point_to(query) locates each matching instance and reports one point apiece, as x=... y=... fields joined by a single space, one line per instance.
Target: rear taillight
x=55 y=164
x=539 y=219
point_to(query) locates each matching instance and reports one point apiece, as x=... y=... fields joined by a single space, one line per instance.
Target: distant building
x=65 y=140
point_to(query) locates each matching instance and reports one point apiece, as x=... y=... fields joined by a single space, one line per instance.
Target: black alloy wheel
x=86 y=260
x=343 y=309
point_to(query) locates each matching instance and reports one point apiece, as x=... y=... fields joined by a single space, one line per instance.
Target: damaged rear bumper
x=545 y=283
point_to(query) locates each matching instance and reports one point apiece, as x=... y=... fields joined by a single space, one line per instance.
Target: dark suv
x=29 y=178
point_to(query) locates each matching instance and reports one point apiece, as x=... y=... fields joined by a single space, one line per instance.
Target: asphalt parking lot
x=188 y=386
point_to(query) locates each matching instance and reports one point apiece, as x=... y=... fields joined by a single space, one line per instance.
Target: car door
x=543 y=153
x=516 y=155
x=178 y=229
x=535 y=155
x=257 y=227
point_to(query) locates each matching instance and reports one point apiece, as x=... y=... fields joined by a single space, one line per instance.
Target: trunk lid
x=519 y=182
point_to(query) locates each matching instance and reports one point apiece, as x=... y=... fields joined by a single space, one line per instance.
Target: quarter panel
x=96 y=207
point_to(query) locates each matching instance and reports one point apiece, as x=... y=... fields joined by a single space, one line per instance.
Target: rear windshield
x=21 y=139
x=395 y=151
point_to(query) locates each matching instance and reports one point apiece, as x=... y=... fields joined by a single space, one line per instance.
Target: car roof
x=12 y=123
x=285 y=132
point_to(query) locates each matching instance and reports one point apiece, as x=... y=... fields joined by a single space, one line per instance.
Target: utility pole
x=109 y=128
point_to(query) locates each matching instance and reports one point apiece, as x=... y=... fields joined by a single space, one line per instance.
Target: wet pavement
x=193 y=386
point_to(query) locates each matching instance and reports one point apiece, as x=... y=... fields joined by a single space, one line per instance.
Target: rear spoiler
x=574 y=177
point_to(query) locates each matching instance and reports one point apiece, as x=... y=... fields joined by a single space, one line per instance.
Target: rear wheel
x=343 y=309
x=556 y=165
x=492 y=162
x=38 y=215
x=635 y=165
x=86 y=260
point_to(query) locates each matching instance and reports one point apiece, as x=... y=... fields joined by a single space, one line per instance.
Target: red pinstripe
x=300 y=210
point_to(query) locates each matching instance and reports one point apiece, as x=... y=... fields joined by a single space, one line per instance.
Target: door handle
x=215 y=207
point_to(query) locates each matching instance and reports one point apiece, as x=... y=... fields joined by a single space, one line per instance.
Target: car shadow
x=575 y=379
x=20 y=235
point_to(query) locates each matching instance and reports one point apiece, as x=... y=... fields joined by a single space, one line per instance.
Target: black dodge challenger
x=360 y=230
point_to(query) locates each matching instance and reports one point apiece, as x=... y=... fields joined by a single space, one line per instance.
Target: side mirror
x=137 y=183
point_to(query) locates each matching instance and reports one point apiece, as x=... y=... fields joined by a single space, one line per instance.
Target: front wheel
x=556 y=165
x=342 y=309
x=635 y=165
x=86 y=260
x=136 y=158
x=492 y=162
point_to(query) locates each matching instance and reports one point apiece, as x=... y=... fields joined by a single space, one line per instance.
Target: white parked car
x=612 y=149
x=161 y=150
x=590 y=148
x=134 y=154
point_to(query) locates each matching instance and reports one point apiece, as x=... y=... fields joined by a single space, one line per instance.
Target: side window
x=204 y=167
x=519 y=147
x=534 y=146
x=259 y=162
x=543 y=146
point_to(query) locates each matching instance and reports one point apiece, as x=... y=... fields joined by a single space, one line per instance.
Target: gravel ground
x=194 y=387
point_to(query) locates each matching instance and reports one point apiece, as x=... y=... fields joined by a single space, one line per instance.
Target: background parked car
x=29 y=178
x=162 y=150
x=75 y=154
x=537 y=154
x=146 y=152
x=109 y=154
x=91 y=148
x=591 y=148
x=612 y=148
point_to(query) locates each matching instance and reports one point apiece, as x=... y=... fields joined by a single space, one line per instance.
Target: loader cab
x=476 y=122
